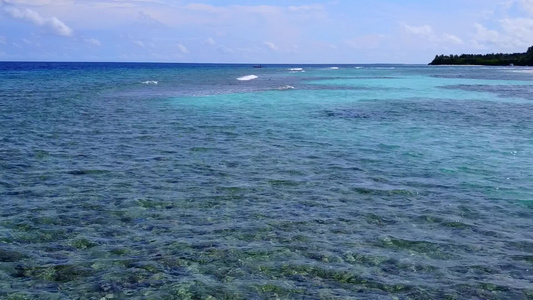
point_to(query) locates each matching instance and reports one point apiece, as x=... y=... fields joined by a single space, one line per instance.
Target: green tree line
x=493 y=59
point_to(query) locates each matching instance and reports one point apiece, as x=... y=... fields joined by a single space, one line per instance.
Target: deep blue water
x=179 y=181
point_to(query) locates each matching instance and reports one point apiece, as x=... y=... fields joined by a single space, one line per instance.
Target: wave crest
x=247 y=77
x=296 y=70
x=285 y=87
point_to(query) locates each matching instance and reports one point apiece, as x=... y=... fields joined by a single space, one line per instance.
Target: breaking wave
x=529 y=71
x=247 y=77
x=150 y=82
x=285 y=87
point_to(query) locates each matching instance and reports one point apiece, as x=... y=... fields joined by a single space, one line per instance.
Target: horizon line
x=192 y=63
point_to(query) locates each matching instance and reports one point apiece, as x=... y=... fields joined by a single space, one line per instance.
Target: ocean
x=219 y=181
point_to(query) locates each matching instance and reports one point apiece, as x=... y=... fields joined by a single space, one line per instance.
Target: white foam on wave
x=528 y=71
x=296 y=69
x=150 y=82
x=334 y=68
x=358 y=67
x=247 y=77
x=286 y=87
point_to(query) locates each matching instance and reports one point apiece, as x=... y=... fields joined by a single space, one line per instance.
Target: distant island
x=498 y=59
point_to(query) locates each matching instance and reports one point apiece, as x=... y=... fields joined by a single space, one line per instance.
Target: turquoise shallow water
x=363 y=182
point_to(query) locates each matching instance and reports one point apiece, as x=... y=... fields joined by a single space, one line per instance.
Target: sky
x=260 y=31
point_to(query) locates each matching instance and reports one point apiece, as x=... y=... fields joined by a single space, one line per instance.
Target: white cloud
x=202 y=7
x=514 y=32
x=259 y=9
x=37 y=2
x=527 y=5
x=450 y=38
x=485 y=35
x=431 y=38
x=245 y=30
x=225 y=50
x=52 y=24
x=139 y=44
x=147 y=20
x=134 y=1
x=93 y=42
x=30 y=43
x=424 y=30
x=235 y=10
x=271 y=46
x=182 y=48
x=474 y=44
x=210 y=41
x=518 y=31
x=304 y=8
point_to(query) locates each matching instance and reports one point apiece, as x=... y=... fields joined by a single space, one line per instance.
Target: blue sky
x=233 y=31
